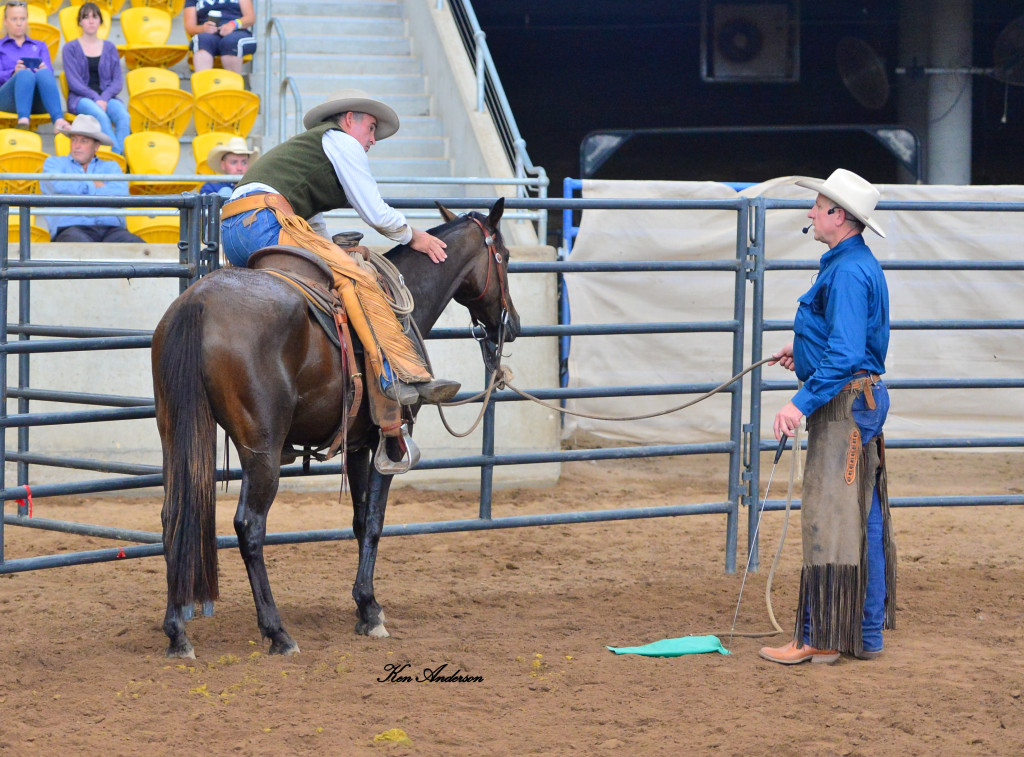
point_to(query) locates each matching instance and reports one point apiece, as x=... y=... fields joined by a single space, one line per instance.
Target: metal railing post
x=479 y=36
x=487 y=451
x=5 y=209
x=752 y=494
x=24 y=313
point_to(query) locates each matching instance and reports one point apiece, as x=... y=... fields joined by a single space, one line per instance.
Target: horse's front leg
x=259 y=487
x=369 y=501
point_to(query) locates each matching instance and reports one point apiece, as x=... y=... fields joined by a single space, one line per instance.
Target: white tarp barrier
x=624 y=235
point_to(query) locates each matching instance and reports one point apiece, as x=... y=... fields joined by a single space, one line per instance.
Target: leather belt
x=256 y=201
x=864 y=384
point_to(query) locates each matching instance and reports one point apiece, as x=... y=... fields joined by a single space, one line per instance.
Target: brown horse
x=239 y=349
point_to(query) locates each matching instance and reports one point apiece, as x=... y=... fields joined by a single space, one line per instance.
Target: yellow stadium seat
x=49 y=7
x=37 y=234
x=68 y=20
x=19 y=139
x=109 y=7
x=21 y=161
x=62 y=146
x=146 y=31
x=37 y=15
x=174 y=7
x=10 y=120
x=150 y=77
x=154 y=152
x=48 y=35
x=155 y=229
x=203 y=143
x=222 y=102
x=162 y=109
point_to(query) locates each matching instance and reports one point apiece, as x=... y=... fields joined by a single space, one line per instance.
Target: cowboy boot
x=432 y=392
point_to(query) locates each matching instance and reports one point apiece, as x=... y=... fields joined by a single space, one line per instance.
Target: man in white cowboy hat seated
x=841 y=336
x=280 y=201
x=232 y=158
x=86 y=137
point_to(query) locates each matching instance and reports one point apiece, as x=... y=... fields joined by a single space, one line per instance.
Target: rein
x=493 y=261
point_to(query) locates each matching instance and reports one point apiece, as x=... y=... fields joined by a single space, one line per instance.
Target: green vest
x=301 y=171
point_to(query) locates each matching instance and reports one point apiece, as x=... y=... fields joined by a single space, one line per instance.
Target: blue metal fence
x=198 y=255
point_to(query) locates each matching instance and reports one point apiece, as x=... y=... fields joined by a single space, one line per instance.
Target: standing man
x=841 y=336
x=281 y=199
x=86 y=137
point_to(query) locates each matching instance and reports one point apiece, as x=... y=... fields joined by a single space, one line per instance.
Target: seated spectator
x=219 y=27
x=27 y=84
x=233 y=158
x=86 y=138
x=93 y=70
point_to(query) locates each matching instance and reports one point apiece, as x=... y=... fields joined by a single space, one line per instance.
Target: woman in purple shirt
x=93 y=71
x=27 y=84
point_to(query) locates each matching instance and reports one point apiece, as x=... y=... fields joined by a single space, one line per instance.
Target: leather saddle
x=310 y=274
x=291 y=259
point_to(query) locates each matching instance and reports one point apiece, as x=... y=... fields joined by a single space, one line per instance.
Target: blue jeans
x=240 y=241
x=29 y=92
x=114 y=121
x=870 y=423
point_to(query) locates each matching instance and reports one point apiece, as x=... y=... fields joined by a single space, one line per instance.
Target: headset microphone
x=807 y=228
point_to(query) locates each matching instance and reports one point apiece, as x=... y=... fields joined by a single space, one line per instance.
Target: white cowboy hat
x=85 y=125
x=234 y=146
x=357 y=101
x=855 y=195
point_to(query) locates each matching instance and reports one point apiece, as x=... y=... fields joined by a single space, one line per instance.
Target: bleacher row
x=161 y=112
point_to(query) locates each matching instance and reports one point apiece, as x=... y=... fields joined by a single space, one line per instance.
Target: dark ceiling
x=570 y=68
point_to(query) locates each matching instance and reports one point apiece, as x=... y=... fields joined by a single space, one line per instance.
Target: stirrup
x=388 y=467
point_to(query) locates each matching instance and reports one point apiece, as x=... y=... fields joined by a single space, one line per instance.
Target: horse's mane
x=442 y=229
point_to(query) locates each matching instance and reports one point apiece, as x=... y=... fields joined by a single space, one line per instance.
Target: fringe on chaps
x=839 y=478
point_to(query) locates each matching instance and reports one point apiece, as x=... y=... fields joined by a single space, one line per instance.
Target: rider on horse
x=280 y=200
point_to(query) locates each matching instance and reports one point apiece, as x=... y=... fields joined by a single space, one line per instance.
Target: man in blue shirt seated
x=841 y=336
x=86 y=137
x=233 y=158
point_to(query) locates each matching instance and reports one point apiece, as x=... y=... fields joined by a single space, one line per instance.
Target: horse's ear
x=496 y=210
x=446 y=214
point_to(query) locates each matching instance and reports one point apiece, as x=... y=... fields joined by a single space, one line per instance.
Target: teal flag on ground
x=676 y=647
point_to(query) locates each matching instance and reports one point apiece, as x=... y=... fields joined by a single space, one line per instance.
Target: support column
x=951 y=29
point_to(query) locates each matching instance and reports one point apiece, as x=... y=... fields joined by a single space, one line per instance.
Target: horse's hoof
x=376 y=631
x=285 y=646
x=181 y=651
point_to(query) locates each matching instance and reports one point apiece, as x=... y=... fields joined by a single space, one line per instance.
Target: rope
x=505 y=380
x=400 y=297
x=716 y=390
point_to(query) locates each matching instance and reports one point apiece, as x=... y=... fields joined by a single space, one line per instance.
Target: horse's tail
x=188 y=432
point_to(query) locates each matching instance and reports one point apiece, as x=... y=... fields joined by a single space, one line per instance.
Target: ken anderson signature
x=395 y=673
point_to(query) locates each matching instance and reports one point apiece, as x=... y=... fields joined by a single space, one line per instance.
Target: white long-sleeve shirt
x=352 y=168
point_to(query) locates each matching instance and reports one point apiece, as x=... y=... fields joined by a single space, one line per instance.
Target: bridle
x=493 y=262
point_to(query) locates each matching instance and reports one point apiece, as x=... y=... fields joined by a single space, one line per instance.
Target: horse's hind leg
x=369 y=500
x=174 y=627
x=259 y=487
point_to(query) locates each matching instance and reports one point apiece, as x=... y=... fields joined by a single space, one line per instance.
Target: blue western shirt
x=97 y=168
x=841 y=325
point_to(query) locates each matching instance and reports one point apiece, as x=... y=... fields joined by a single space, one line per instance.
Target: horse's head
x=484 y=290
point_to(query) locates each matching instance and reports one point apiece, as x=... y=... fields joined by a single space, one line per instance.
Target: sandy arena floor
x=529 y=611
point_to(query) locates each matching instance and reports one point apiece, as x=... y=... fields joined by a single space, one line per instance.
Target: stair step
x=401 y=147
x=409 y=166
x=344 y=64
x=421 y=126
x=350 y=45
x=319 y=85
x=342 y=26
x=350 y=8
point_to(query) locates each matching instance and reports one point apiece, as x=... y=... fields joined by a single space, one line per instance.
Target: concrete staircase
x=365 y=44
